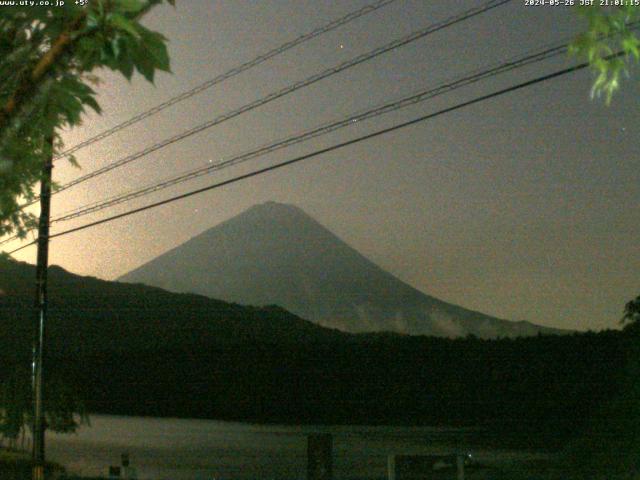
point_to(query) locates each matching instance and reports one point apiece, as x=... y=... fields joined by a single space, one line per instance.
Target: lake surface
x=185 y=449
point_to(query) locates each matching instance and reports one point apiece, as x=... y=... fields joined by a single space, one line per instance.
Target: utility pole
x=40 y=320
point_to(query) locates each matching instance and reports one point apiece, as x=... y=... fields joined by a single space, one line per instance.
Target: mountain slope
x=139 y=350
x=277 y=254
x=88 y=315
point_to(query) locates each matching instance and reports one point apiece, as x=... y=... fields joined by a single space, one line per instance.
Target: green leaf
x=89 y=100
x=143 y=63
x=122 y=23
x=114 y=47
x=129 y=6
x=160 y=55
x=156 y=46
x=630 y=45
x=110 y=36
x=92 y=21
x=126 y=68
x=73 y=161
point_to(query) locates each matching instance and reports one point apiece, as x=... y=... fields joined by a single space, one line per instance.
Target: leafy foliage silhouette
x=47 y=55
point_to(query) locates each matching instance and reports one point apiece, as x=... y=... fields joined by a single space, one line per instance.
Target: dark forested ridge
x=89 y=315
x=132 y=349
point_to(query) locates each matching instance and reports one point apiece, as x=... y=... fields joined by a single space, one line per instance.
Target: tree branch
x=29 y=83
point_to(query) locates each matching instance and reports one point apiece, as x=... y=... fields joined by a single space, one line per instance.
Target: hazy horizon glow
x=525 y=207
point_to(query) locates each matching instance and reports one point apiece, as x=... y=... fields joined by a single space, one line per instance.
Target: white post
x=391 y=467
x=460 y=466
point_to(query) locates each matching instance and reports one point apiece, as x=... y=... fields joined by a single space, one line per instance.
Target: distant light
x=341 y=46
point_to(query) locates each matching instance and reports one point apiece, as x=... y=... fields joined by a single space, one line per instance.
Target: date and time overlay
x=45 y=3
x=583 y=3
x=526 y=3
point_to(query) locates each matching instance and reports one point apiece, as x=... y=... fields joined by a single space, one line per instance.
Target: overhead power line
x=290 y=89
x=316 y=153
x=468 y=79
x=229 y=74
x=343 y=66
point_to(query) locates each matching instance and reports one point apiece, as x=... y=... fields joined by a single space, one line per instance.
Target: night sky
x=524 y=207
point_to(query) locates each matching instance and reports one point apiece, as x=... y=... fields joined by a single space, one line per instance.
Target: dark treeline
x=132 y=349
x=547 y=381
x=542 y=385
